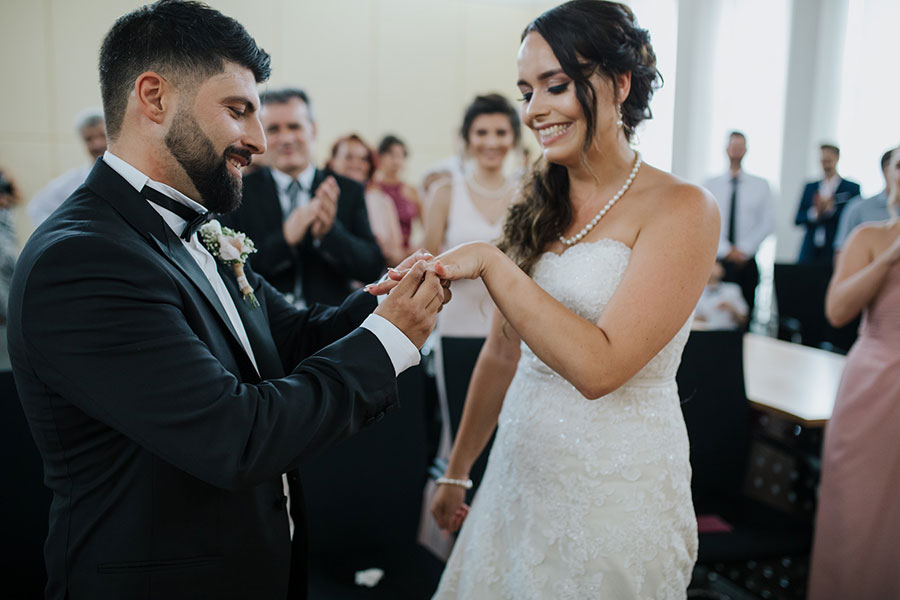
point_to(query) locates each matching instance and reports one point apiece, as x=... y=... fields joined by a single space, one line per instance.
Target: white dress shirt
x=50 y=197
x=709 y=311
x=754 y=219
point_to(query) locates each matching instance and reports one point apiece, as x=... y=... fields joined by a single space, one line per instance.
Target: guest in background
x=92 y=130
x=392 y=155
x=820 y=209
x=9 y=243
x=352 y=157
x=722 y=304
x=857 y=536
x=440 y=171
x=310 y=226
x=865 y=210
x=745 y=205
x=469 y=208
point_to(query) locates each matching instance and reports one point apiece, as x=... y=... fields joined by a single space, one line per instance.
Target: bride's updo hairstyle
x=587 y=37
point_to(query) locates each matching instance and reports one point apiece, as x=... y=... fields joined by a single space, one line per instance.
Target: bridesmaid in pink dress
x=856 y=549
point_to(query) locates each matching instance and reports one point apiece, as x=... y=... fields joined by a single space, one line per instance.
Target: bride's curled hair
x=587 y=37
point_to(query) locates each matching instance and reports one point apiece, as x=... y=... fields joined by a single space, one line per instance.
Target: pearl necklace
x=487 y=192
x=578 y=236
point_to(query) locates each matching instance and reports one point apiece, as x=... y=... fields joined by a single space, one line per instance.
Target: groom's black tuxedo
x=163 y=447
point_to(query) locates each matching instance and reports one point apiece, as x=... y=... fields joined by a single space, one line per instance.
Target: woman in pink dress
x=856 y=550
x=392 y=155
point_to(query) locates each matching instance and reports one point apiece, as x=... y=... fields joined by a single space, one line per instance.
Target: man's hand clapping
x=316 y=216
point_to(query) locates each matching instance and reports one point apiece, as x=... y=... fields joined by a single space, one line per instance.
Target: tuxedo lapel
x=110 y=186
x=257 y=328
x=176 y=252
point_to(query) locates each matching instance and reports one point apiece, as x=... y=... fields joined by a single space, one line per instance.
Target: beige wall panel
x=261 y=19
x=23 y=70
x=419 y=89
x=491 y=43
x=328 y=53
x=77 y=32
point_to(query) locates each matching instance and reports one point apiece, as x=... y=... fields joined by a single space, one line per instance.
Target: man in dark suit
x=820 y=209
x=311 y=225
x=165 y=404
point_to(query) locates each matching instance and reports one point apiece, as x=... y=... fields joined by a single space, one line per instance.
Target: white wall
x=779 y=70
x=374 y=66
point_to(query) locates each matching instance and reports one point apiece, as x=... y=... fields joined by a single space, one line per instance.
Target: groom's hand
x=395 y=274
x=413 y=305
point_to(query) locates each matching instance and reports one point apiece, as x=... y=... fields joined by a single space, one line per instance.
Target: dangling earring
x=620 y=122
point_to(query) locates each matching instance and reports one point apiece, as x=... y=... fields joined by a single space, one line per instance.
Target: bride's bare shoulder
x=671 y=198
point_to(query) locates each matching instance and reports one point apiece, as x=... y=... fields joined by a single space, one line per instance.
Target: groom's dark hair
x=184 y=40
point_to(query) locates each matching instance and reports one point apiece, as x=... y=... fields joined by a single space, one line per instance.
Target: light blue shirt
x=859 y=211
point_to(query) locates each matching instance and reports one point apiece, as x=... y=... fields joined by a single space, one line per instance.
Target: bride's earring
x=620 y=122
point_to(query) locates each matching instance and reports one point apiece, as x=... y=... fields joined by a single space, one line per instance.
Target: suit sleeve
x=105 y=328
x=805 y=204
x=299 y=333
x=350 y=246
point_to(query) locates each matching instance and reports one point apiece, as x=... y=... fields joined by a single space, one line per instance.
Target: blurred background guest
x=352 y=157
x=821 y=206
x=310 y=226
x=467 y=208
x=746 y=208
x=392 y=155
x=722 y=304
x=864 y=210
x=92 y=130
x=9 y=245
x=857 y=535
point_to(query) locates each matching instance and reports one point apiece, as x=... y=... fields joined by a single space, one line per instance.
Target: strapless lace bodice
x=584 y=279
x=582 y=498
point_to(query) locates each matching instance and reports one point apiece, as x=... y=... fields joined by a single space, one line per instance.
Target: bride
x=587 y=489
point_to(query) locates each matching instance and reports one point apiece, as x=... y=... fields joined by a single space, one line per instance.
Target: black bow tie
x=195 y=220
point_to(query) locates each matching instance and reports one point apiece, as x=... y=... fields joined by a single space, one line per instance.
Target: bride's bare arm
x=491 y=377
x=493 y=373
x=669 y=266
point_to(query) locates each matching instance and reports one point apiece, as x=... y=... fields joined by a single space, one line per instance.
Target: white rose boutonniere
x=232 y=248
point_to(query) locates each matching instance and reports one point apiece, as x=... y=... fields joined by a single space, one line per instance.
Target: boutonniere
x=232 y=248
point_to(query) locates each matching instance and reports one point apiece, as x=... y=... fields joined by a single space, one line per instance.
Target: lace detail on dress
x=582 y=498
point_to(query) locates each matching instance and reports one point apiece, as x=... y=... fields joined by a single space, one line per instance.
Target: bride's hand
x=449 y=507
x=466 y=261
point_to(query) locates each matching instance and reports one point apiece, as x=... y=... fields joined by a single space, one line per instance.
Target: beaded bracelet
x=463 y=483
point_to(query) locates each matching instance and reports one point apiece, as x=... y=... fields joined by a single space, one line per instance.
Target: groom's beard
x=220 y=190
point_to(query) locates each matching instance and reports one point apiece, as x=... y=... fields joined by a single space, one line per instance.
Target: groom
x=165 y=404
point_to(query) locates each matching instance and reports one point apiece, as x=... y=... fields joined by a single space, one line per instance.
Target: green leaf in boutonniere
x=232 y=248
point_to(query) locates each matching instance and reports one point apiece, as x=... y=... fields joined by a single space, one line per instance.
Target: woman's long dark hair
x=587 y=37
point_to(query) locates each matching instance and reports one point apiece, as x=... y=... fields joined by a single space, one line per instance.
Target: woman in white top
x=467 y=208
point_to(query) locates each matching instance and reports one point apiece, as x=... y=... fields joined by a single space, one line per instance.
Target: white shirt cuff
x=402 y=352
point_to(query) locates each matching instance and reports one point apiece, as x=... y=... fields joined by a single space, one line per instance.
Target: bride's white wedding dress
x=582 y=499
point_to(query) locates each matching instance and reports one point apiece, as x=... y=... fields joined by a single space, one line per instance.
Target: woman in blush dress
x=587 y=489
x=352 y=157
x=856 y=547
